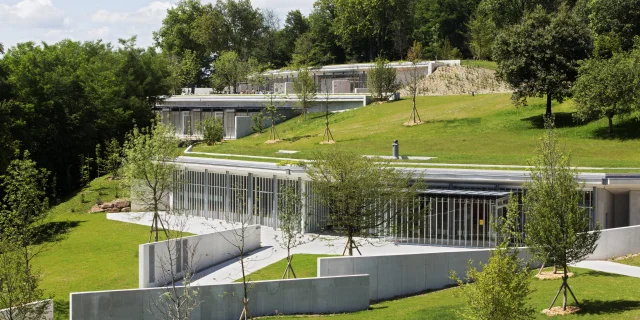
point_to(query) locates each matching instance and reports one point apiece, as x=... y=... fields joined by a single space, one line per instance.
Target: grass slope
x=485 y=129
x=603 y=296
x=632 y=261
x=491 y=65
x=94 y=254
x=305 y=266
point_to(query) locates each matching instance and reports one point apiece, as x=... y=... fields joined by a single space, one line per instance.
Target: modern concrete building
x=342 y=87
x=461 y=203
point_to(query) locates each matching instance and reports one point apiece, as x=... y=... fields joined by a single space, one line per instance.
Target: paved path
x=270 y=252
x=610 y=267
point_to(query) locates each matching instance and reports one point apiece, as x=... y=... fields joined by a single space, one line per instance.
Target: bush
x=212 y=130
x=256 y=123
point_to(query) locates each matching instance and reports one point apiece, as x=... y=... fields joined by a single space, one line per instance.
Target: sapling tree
x=327 y=137
x=273 y=115
x=257 y=122
x=291 y=222
x=557 y=228
x=148 y=168
x=305 y=89
x=178 y=265
x=500 y=291
x=112 y=157
x=414 y=81
x=362 y=194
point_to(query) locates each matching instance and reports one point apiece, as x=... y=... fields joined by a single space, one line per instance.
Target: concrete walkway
x=610 y=267
x=270 y=252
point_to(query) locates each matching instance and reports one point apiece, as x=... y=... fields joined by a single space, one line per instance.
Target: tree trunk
x=350 y=245
x=610 y=125
x=548 y=113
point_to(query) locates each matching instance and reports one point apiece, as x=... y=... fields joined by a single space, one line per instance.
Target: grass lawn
x=603 y=296
x=485 y=129
x=94 y=254
x=305 y=266
x=491 y=65
x=632 y=260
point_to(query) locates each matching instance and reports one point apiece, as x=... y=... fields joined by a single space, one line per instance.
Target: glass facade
x=449 y=217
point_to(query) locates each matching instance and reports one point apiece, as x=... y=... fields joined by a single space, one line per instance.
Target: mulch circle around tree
x=557 y=311
x=411 y=123
x=549 y=275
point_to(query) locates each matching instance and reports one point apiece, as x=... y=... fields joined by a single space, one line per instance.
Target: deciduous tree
x=362 y=194
x=556 y=228
x=381 y=79
x=305 y=88
x=540 y=55
x=606 y=88
x=148 y=168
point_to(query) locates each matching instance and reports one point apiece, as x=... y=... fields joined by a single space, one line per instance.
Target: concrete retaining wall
x=204 y=250
x=295 y=296
x=617 y=242
x=243 y=126
x=404 y=274
x=47 y=311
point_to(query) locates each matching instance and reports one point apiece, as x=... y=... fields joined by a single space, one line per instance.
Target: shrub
x=212 y=130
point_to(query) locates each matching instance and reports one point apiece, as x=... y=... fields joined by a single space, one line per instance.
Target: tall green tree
x=323 y=38
x=182 y=32
x=615 y=20
x=241 y=27
x=607 y=88
x=482 y=32
x=556 y=228
x=362 y=194
x=540 y=55
x=148 y=168
x=228 y=71
x=305 y=88
x=445 y=20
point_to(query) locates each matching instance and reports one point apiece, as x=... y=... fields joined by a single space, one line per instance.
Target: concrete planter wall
x=295 y=296
x=617 y=242
x=206 y=250
x=47 y=311
x=405 y=274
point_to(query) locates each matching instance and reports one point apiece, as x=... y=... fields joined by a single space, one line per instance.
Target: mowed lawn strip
x=94 y=253
x=603 y=296
x=632 y=260
x=485 y=129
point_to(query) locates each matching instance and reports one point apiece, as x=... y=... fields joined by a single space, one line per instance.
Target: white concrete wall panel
x=405 y=274
x=617 y=242
x=604 y=207
x=243 y=126
x=208 y=250
x=294 y=296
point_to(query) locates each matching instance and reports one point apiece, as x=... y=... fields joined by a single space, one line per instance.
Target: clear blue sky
x=54 y=20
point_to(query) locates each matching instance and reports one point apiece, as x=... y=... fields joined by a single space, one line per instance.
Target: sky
x=80 y=20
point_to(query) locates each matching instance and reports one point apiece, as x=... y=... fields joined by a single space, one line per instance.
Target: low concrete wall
x=617 y=242
x=405 y=274
x=206 y=250
x=295 y=296
x=47 y=311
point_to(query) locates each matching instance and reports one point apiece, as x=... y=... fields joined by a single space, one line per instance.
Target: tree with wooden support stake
x=327 y=138
x=415 y=77
x=291 y=221
x=272 y=113
x=557 y=228
x=363 y=195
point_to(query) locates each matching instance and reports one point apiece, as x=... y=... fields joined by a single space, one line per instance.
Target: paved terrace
x=270 y=252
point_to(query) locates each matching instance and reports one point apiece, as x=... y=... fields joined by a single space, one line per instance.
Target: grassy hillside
x=94 y=253
x=485 y=129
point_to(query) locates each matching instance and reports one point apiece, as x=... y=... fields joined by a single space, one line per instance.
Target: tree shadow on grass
x=53 y=231
x=296 y=138
x=608 y=307
x=562 y=120
x=593 y=273
x=626 y=129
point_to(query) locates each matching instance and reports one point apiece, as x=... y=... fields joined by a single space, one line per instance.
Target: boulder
x=121 y=203
x=127 y=209
x=107 y=205
x=96 y=209
x=112 y=210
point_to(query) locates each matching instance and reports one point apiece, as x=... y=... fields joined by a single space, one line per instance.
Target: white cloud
x=152 y=13
x=99 y=33
x=36 y=13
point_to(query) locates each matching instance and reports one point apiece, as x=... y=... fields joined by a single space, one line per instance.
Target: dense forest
x=60 y=101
